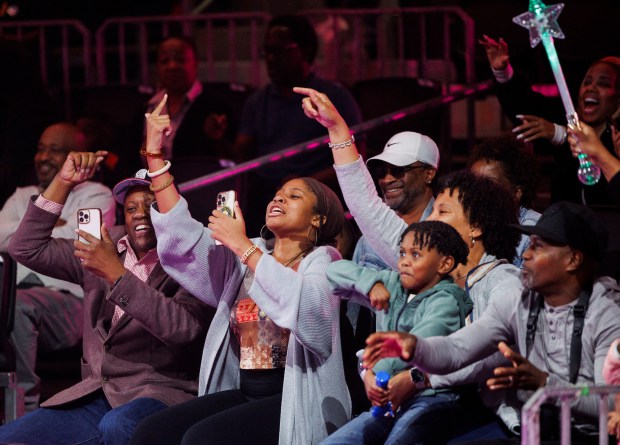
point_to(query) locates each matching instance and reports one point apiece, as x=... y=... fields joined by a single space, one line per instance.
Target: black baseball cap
x=121 y=189
x=568 y=224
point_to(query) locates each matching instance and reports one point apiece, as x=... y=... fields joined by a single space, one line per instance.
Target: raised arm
x=380 y=225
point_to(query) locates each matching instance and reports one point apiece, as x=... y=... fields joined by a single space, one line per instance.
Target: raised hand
x=156 y=125
x=522 y=374
x=229 y=231
x=534 y=127
x=317 y=106
x=379 y=297
x=585 y=140
x=388 y=344
x=497 y=52
x=80 y=166
x=99 y=255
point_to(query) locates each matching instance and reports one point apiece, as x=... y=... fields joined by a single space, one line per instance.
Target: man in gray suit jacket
x=143 y=333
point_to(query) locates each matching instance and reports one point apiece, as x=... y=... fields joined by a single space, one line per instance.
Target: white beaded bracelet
x=161 y=171
x=342 y=144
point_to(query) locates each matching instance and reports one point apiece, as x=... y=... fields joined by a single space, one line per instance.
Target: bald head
x=55 y=143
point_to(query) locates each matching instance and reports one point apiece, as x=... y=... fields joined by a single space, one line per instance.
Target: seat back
x=8 y=272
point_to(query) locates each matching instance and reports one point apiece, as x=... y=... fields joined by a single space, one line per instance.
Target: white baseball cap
x=408 y=147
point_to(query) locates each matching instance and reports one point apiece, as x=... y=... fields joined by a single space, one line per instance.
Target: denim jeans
x=91 y=421
x=421 y=420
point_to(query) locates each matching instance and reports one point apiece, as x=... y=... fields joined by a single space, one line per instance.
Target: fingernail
x=514 y=130
x=519 y=116
x=519 y=136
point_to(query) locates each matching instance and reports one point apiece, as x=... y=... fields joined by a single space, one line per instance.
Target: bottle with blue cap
x=381 y=379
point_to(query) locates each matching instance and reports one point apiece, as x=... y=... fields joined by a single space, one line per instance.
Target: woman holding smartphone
x=272 y=366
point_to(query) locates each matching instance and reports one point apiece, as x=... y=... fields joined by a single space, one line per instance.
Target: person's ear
x=429 y=175
x=518 y=194
x=317 y=220
x=575 y=260
x=446 y=265
x=474 y=235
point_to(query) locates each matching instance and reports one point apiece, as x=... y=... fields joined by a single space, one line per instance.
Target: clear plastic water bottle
x=381 y=379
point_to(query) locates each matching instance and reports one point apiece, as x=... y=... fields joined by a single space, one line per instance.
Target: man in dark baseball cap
x=555 y=335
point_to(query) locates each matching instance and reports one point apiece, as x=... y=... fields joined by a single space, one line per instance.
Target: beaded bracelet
x=248 y=253
x=342 y=144
x=149 y=154
x=159 y=188
x=161 y=171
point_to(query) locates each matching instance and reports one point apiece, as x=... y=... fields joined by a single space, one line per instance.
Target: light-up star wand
x=541 y=21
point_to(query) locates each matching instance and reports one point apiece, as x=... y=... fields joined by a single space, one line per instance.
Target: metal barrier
x=64 y=48
x=355 y=44
x=414 y=42
x=227 y=38
x=313 y=144
x=530 y=414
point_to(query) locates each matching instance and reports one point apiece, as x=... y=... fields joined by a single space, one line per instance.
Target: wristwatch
x=417 y=378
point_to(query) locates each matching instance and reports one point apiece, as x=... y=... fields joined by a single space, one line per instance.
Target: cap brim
x=120 y=189
x=400 y=160
x=538 y=231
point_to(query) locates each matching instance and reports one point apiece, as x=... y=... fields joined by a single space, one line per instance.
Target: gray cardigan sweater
x=315 y=399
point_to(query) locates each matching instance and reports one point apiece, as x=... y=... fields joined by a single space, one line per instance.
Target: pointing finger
x=160 y=107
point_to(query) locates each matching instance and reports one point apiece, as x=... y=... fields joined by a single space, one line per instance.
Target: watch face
x=417 y=376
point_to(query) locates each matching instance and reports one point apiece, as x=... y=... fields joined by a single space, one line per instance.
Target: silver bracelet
x=342 y=144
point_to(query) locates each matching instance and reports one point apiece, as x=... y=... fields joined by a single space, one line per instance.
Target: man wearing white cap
x=404 y=172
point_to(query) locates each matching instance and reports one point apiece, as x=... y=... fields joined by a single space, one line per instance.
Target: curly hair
x=488 y=207
x=517 y=163
x=441 y=236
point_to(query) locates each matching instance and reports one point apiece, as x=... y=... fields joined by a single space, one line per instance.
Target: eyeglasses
x=380 y=171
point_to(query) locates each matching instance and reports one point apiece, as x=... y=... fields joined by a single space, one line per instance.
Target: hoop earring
x=261 y=232
x=316 y=236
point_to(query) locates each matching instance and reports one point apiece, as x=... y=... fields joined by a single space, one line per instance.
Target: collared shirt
x=140 y=268
x=175 y=121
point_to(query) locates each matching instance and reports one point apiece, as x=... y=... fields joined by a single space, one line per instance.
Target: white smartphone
x=89 y=220
x=226 y=204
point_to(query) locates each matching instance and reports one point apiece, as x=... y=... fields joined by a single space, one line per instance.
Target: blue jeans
x=91 y=421
x=421 y=420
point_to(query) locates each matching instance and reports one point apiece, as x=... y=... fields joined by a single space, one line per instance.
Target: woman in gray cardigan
x=272 y=365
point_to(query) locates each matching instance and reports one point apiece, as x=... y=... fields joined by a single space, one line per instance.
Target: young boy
x=420 y=298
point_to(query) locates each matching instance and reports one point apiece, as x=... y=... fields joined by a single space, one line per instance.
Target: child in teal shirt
x=421 y=299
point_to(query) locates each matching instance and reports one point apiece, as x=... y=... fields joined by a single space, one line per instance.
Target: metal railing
x=129 y=44
x=423 y=42
x=530 y=414
x=272 y=158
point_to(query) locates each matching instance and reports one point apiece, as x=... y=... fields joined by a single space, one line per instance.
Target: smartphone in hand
x=89 y=220
x=226 y=204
